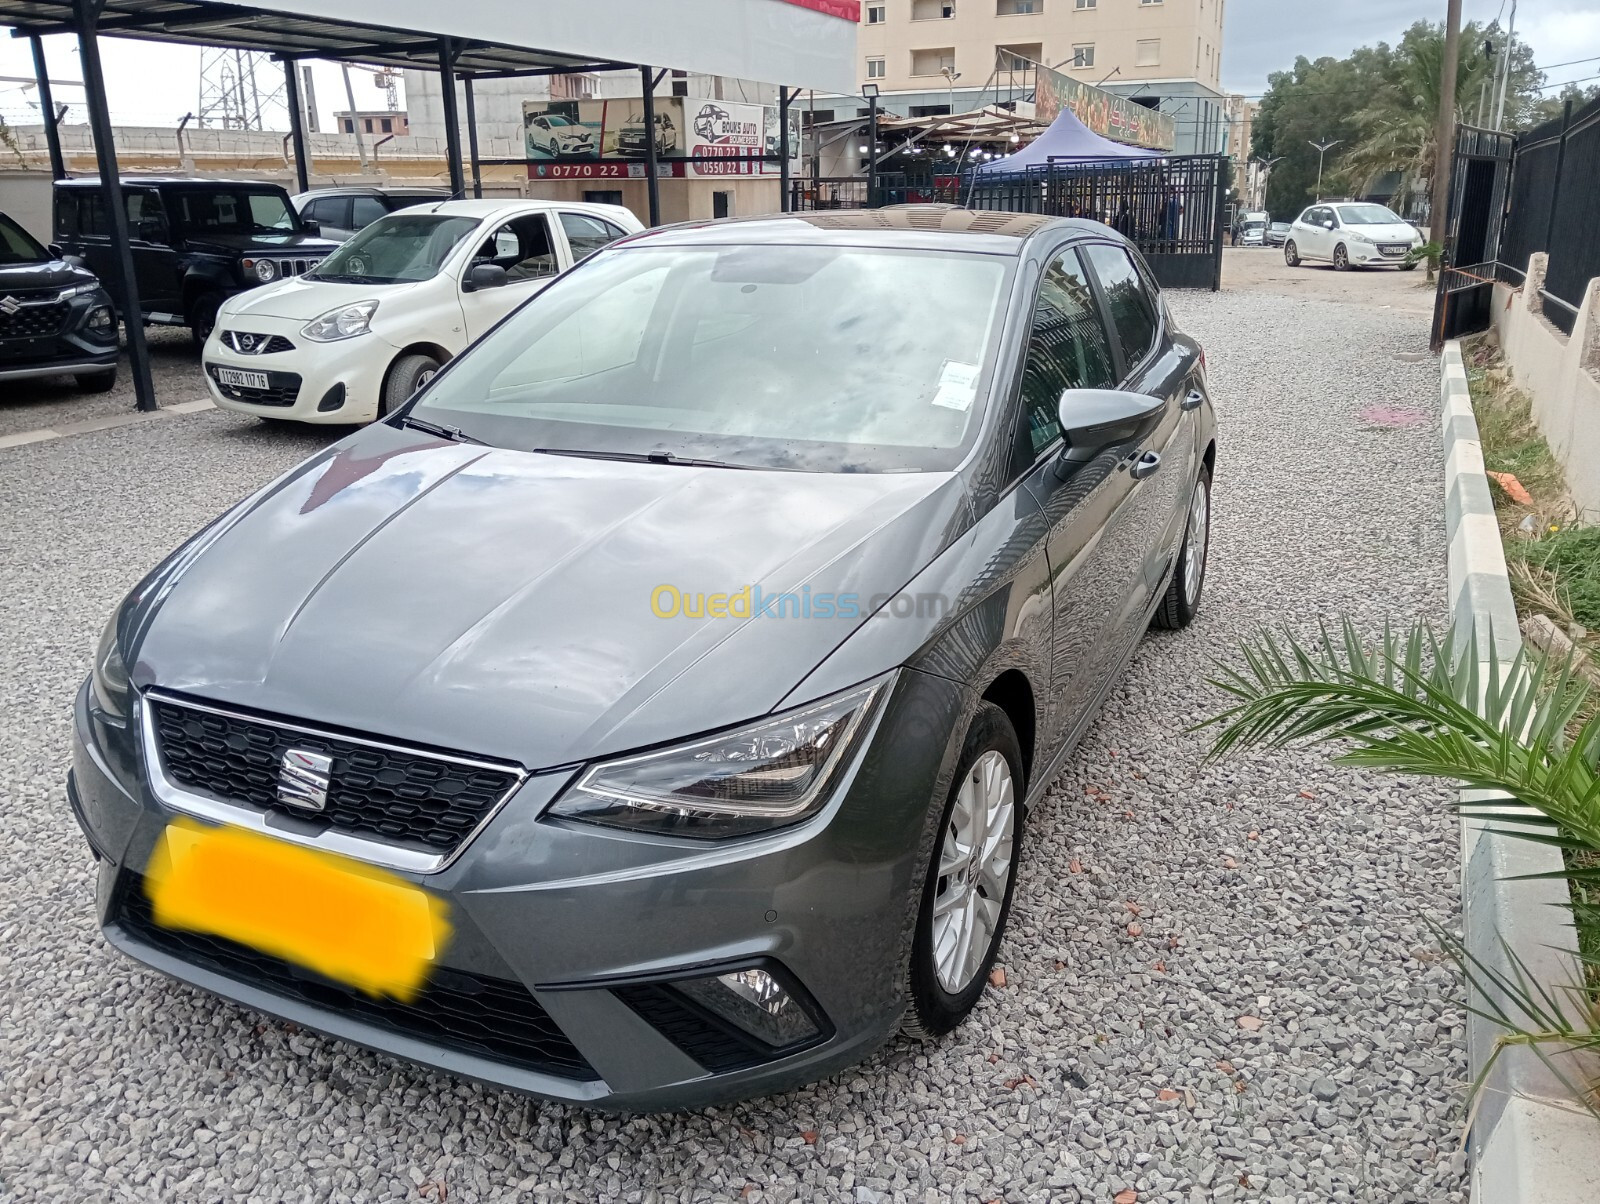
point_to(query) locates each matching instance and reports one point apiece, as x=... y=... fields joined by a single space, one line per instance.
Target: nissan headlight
x=264 y=270
x=767 y=774
x=343 y=323
x=108 y=681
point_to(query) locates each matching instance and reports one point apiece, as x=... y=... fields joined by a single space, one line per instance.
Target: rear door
x=332 y=215
x=155 y=263
x=526 y=248
x=1152 y=364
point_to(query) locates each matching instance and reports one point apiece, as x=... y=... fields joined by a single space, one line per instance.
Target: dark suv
x=195 y=242
x=55 y=319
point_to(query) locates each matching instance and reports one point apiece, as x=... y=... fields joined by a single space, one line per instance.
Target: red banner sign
x=847 y=10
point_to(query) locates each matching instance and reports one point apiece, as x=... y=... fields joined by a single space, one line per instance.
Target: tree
x=1550 y=108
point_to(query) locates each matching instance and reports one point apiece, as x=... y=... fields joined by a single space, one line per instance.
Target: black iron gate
x=1480 y=175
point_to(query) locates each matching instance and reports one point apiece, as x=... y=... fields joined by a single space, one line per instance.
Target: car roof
x=158 y=181
x=927 y=227
x=371 y=190
x=489 y=207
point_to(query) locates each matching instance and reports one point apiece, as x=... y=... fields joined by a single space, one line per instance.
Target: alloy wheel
x=1291 y=254
x=1341 y=258
x=976 y=860
x=1197 y=543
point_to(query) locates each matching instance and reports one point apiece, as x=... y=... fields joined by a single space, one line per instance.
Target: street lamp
x=1322 y=149
x=951 y=75
x=870 y=92
x=1259 y=194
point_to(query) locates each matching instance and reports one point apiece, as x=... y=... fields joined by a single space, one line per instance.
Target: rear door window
x=587 y=234
x=1133 y=309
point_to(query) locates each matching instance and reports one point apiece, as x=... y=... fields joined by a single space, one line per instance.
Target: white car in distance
x=353 y=339
x=1351 y=234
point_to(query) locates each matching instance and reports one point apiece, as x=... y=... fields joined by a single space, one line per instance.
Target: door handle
x=1194 y=400
x=1145 y=465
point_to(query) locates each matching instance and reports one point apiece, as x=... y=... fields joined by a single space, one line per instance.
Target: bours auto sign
x=726 y=139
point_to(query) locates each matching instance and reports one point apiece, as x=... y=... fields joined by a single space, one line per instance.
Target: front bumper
x=314 y=382
x=63 y=347
x=581 y=924
x=1367 y=255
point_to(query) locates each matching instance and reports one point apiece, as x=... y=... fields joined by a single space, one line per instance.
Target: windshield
x=828 y=359
x=396 y=249
x=233 y=211
x=1368 y=215
x=17 y=246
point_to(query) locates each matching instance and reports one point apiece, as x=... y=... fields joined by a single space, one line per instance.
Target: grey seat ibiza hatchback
x=648 y=714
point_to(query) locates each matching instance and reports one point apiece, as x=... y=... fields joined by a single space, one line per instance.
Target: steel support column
x=452 y=120
x=297 y=124
x=652 y=184
x=472 y=137
x=783 y=150
x=872 y=152
x=87 y=14
x=47 y=110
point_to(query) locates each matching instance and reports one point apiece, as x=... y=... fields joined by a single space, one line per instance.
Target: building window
x=1148 y=3
x=386 y=125
x=1015 y=8
x=933 y=62
x=930 y=110
x=874 y=14
x=1083 y=56
x=932 y=10
x=875 y=69
x=1018 y=58
x=1147 y=53
x=813 y=117
x=1083 y=4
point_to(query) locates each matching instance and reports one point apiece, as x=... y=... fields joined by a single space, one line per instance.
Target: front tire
x=202 y=316
x=1291 y=254
x=409 y=373
x=971 y=879
x=1182 y=599
x=1341 y=259
x=96 y=382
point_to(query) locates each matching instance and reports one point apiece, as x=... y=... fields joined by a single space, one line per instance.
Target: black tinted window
x=364 y=210
x=1067 y=349
x=1133 y=310
x=92 y=213
x=17 y=245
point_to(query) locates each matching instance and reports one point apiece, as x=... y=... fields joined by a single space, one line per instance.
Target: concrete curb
x=1530 y=1139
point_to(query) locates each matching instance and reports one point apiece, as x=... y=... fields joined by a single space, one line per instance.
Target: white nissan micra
x=353 y=339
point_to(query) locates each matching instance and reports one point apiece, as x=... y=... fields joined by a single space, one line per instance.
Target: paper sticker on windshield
x=956 y=386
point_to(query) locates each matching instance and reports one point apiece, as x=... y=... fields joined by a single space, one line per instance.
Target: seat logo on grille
x=303 y=779
x=9 y=306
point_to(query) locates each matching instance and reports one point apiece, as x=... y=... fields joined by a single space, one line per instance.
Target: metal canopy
x=202 y=23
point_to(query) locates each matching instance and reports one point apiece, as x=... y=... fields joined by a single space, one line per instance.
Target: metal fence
x=1555 y=207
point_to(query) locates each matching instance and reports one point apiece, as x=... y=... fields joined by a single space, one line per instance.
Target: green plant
x=1429 y=252
x=1572 y=556
x=1423 y=705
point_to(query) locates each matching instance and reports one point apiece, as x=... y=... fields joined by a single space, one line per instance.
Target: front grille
x=412 y=800
x=490 y=1017
x=248 y=343
x=296 y=267
x=282 y=389
x=32 y=321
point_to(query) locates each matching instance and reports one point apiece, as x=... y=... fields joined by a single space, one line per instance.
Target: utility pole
x=1322 y=148
x=1444 y=135
x=355 y=121
x=1505 y=73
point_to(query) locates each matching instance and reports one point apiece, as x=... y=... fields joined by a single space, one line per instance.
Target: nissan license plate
x=241 y=380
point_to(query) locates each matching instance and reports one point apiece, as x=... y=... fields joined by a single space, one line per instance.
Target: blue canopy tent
x=1066 y=138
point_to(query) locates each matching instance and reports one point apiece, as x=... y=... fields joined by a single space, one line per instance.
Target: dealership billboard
x=699 y=138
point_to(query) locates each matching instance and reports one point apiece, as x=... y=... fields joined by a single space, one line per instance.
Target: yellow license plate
x=349 y=921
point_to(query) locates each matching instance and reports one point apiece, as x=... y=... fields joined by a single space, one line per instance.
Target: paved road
x=1165 y=905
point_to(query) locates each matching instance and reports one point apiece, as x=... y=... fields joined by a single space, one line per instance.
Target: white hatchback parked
x=1353 y=234
x=355 y=338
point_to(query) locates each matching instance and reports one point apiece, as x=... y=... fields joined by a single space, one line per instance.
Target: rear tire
x=408 y=374
x=1182 y=599
x=96 y=382
x=972 y=875
x=1291 y=254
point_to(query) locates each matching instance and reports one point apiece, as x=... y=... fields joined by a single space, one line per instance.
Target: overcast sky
x=150 y=84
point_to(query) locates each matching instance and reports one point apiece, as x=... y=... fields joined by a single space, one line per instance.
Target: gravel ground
x=29 y=405
x=1218 y=982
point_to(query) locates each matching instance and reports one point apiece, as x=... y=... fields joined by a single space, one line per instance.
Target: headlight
x=769 y=773
x=263 y=270
x=343 y=323
x=77 y=290
x=109 y=680
x=1357 y=236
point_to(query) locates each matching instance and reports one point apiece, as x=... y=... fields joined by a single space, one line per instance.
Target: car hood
x=261 y=244
x=500 y=602
x=298 y=299
x=53 y=273
x=1387 y=231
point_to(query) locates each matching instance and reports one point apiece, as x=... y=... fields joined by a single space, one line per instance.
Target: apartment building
x=937 y=56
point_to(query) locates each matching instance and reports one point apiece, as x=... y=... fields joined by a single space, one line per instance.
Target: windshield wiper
x=452 y=433
x=641 y=458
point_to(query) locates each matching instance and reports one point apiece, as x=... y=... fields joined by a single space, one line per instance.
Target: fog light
x=756 y=1002
x=100 y=318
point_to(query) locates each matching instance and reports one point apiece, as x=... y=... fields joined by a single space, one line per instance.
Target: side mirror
x=1327 y=225
x=311 y=227
x=1095 y=419
x=484 y=275
x=74 y=261
x=55 y=250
